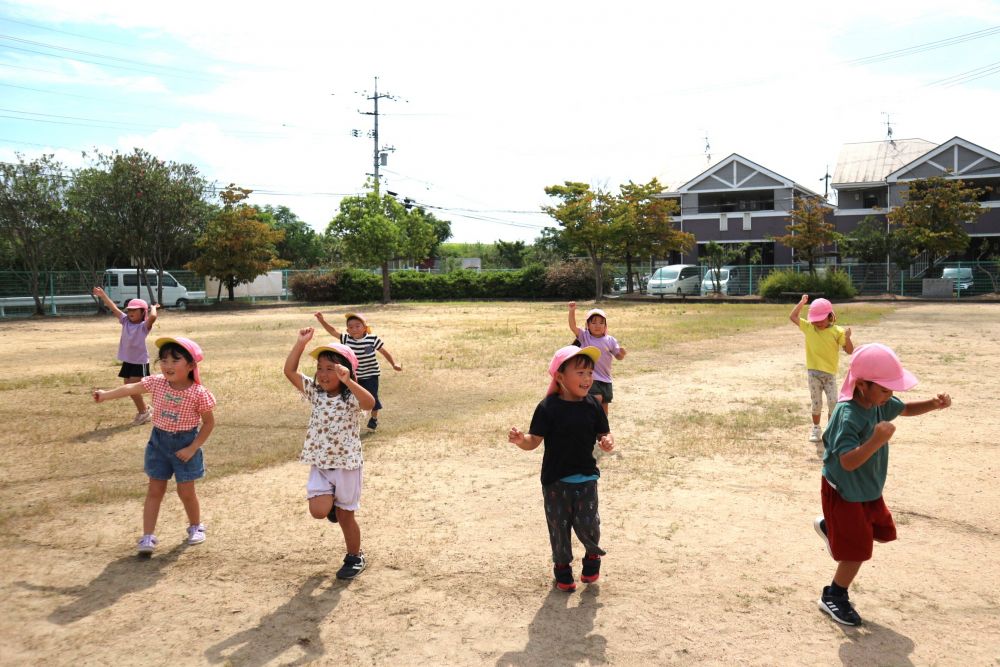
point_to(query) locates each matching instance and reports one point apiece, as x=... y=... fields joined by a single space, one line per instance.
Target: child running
x=569 y=420
x=363 y=342
x=855 y=461
x=333 y=440
x=823 y=342
x=180 y=404
x=596 y=335
x=137 y=321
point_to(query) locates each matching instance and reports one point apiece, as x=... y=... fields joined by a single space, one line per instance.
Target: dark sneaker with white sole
x=819 y=524
x=353 y=566
x=839 y=608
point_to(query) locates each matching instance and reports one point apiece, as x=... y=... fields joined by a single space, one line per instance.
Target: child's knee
x=345 y=516
x=320 y=506
x=186 y=491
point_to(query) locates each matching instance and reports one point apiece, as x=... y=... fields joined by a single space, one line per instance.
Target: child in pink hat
x=823 y=342
x=332 y=446
x=570 y=421
x=855 y=462
x=137 y=321
x=596 y=335
x=182 y=421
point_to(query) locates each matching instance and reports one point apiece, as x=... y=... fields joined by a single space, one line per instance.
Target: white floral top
x=333 y=439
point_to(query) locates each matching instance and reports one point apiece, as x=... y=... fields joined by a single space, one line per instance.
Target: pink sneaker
x=143 y=417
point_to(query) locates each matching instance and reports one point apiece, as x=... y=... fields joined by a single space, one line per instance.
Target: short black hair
x=581 y=360
x=176 y=351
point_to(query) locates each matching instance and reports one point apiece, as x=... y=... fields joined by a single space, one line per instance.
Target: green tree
x=374 y=229
x=587 y=219
x=934 y=215
x=236 y=247
x=510 y=255
x=718 y=255
x=644 y=226
x=32 y=215
x=302 y=247
x=810 y=233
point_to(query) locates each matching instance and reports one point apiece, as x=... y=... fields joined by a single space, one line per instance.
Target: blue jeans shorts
x=161 y=461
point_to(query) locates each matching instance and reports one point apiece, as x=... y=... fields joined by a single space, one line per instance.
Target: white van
x=122 y=285
x=679 y=279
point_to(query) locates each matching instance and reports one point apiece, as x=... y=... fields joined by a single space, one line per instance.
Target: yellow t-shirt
x=822 y=346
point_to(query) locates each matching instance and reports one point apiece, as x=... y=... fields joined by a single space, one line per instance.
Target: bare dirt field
x=706 y=506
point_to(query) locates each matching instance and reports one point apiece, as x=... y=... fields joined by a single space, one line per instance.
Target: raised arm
x=388 y=357
x=330 y=329
x=151 y=316
x=939 y=402
x=572 y=319
x=134 y=389
x=794 y=315
x=525 y=441
x=848 y=343
x=294 y=355
x=108 y=303
x=365 y=399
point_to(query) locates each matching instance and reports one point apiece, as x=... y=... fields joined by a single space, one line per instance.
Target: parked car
x=960 y=276
x=679 y=279
x=727 y=276
x=121 y=285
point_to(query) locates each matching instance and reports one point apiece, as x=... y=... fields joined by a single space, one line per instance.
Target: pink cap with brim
x=137 y=304
x=560 y=357
x=876 y=363
x=342 y=350
x=595 y=311
x=192 y=347
x=359 y=316
x=819 y=310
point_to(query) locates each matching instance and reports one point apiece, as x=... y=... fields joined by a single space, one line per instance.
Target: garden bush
x=833 y=284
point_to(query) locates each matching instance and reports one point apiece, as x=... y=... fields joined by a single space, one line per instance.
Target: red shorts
x=853 y=527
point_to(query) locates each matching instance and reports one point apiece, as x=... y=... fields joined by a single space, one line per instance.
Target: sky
x=489 y=103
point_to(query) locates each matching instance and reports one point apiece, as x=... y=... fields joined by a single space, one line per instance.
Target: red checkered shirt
x=177 y=410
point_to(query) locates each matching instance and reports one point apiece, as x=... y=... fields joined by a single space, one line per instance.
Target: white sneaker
x=146 y=545
x=196 y=534
x=143 y=417
x=814 y=435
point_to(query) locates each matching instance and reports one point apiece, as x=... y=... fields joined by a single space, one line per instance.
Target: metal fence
x=67 y=292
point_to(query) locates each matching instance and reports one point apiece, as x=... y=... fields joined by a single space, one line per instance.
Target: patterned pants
x=822 y=383
x=572 y=506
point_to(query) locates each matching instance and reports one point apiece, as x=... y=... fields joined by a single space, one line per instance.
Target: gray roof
x=869 y=162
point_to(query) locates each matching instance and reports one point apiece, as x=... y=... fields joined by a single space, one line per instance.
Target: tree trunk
x=598 y=275
x=385 y=282
x=231 y=289
x=628 y=273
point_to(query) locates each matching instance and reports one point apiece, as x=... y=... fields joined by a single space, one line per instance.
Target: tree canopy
x=934 y=215
x=809 y=232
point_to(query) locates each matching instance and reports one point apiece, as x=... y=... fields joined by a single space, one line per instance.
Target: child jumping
x=855 y=461
x=823 y=342
x=137 y=321
x=333 y=440
x=364 y=343
x=596 y=335
x=569 y=420
x=180 y=404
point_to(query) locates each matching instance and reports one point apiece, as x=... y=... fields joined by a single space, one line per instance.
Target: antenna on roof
x=888 y=128
x=708 y=150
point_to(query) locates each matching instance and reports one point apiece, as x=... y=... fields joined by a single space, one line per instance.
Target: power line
x=925 y=46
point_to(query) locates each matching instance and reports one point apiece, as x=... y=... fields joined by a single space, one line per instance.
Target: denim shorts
x=161 y=461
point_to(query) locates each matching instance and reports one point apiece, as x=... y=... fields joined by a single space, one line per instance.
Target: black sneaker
x=564 y=577
x=591 y=569
x=353 y=566
x=819 y=524
x=332 y=516
x=373 y=423
x=839 y=608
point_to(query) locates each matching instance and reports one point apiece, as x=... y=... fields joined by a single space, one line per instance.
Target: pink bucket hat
x=819 y=310
x=137 y=304
x=879 y=364
x=342 y=350
x=560 y=357
x=359 y=316
x=595 y=311
x=192 y=347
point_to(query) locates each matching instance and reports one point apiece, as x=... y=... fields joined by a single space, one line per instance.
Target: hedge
x=834 y=284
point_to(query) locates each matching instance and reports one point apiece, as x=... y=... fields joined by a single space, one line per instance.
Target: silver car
x=679 y=279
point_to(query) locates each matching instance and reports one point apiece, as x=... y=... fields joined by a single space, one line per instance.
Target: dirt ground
x=711 y=559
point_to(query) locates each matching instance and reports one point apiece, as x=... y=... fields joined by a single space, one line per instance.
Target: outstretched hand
x=306 y=334
x=515 y=436
x=804 y=300
x=343 y=373
x=942 y=401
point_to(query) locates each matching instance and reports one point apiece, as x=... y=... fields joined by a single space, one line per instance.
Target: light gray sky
x=495 y=102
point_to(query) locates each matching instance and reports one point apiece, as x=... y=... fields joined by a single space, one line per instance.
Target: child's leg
x=151 y=508
x=585 y=517
x=320 y=506
x=846 y=571
x=830 y=388
x=815 y=396
x=352 y=531
x=140 y=402
x=186 y=492
x=559 y=517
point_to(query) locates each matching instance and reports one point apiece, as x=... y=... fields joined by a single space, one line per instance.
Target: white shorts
x=343 y=485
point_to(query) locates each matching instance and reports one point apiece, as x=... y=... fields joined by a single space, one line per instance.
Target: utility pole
x=380 y=156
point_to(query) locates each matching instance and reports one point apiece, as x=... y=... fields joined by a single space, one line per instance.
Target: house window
x=746 y=221
x=723 y=222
